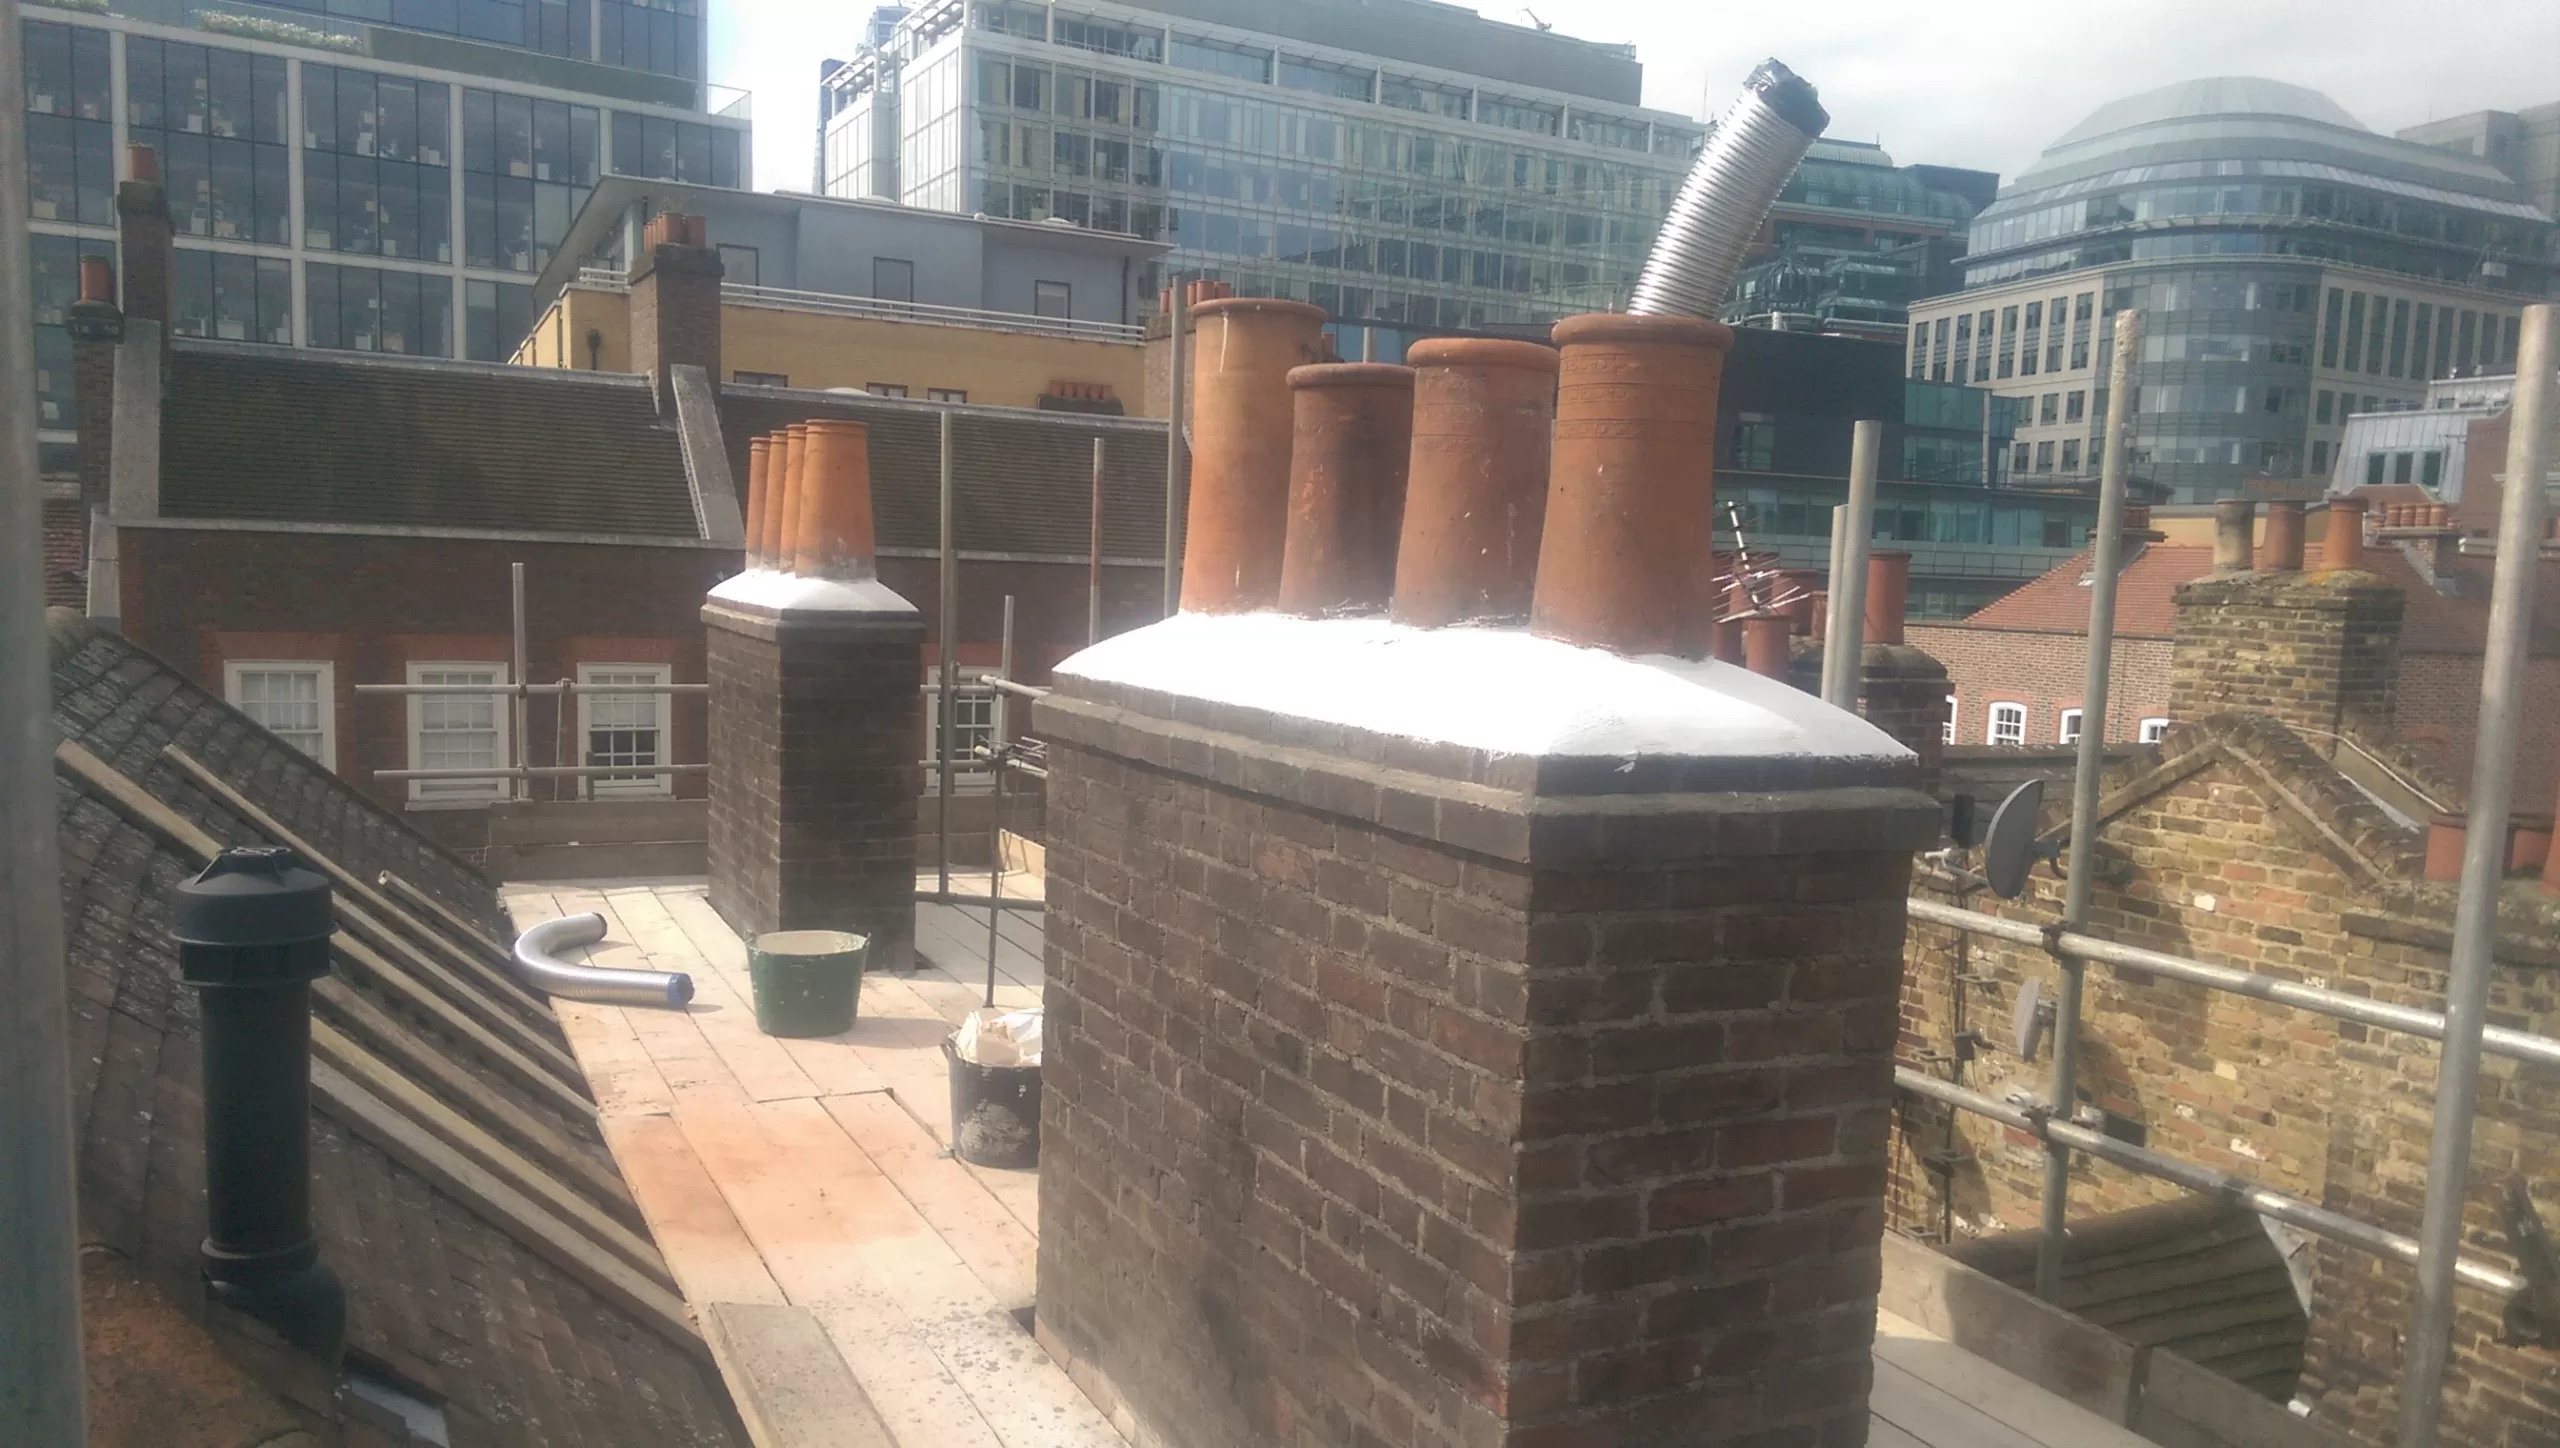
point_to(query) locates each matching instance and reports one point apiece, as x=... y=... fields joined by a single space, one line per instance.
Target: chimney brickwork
x=145 y=238
x=2313 y=650
x=675 y=303
x=1901 y=690
x=1409 y=1093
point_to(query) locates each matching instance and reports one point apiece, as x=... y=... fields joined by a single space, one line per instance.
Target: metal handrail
x=2521 y=1045
x=608 y=279
x=2265 y=1201
x=502 y=691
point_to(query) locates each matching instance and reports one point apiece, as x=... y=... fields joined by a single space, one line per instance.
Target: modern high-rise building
x=2524 y=144
x=378 y=175
x=1854 y=240
x=2295 y=268
x=1397 y=162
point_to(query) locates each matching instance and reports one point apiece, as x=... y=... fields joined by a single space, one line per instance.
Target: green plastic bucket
x=807 y=982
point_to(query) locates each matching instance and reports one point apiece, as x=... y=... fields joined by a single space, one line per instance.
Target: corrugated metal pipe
x=1747 y=161
x=546 y=972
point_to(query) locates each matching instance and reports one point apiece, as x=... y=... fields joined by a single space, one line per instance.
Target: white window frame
x=458 y=793
x=1954 y=712
x=325 y=670
x=2067 y=731
x=1995 y=717
x=2153 y=731
x=977 y=725
x=654 y=786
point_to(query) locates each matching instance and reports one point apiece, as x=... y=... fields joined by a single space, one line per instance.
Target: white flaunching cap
x=800 y=593
x=1503 y=691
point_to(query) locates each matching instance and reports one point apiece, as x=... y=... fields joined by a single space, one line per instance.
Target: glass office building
x=1854 y=240
x=379 y=175
x=2295 y=268
x=1373 y=182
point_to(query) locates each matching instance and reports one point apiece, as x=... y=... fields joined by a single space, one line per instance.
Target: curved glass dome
x=2241 y=165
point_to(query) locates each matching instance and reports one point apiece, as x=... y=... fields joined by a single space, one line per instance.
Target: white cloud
x=1981 y=83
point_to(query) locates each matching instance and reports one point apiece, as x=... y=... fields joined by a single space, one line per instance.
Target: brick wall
x=2439 y=709
x=813 y=773
x=2223 y=868
x=675 y=313
x=1368 y=1122
x=2314 y=651
x=2044 y=672
x=372 y=604
x=66 y=553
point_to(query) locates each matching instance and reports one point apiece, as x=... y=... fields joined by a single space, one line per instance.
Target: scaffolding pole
x=947 y=673
x=2475 y=923
x=2106 y=558
x=1843 y=647
x=42 y=1387
x=1093 y=565
x=1177 y=387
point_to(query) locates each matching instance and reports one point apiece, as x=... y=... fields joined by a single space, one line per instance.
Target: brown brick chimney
x=1460 y=1036
x=145 y=239
x=2316 y=651
x=815 y=677
x=675 y=302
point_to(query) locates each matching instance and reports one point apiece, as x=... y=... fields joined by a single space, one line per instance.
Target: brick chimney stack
x=675 y=302
x=815 y=669
x=145 y=239
x=1493 y=1032
x=2316 y=651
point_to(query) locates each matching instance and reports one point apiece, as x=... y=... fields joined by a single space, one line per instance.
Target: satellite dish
x=2027 y=1019
x=2009 y=850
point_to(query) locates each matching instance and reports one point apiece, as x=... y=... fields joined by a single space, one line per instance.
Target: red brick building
x=2015 y=669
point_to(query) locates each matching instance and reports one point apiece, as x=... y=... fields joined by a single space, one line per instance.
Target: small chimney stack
x=2342 y=546
x=2235 y=524
x=1351 y=443
x=1476 y=491
x=145 y=239
x=253 y=932
x=2284 y=537
x=675 y=303
x=1242 y=353
x=759 y=496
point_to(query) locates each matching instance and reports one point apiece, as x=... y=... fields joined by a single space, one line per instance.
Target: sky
x=1982 y=83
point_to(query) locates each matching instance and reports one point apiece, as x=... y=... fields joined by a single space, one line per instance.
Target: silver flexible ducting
x=1747 y=161
x=546 y=972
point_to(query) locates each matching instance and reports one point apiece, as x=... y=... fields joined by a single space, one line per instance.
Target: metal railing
x=2462 y=1027
x=878 y=309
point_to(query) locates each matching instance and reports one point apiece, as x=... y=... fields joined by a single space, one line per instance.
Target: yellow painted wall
x=814 y=349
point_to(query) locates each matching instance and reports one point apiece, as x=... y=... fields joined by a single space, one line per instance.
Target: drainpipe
x=42 y=1382
x=253 y=933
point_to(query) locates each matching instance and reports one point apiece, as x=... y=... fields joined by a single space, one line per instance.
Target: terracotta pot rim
x=1629 y=327
x=1875 y=553
x=832 y=424
x=1352 y=374
x=1483 y=352
x=1280 y=306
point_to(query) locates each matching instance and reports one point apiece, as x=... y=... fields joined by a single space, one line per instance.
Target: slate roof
x=1022 y=480
x=441 y=1293
x=2200 y=1277
x=319 y=437
x=2146 y=599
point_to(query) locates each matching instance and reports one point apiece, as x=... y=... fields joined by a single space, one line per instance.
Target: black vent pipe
x=253 y=933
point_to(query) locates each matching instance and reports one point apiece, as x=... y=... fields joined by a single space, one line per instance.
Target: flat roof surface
x=800 y=1192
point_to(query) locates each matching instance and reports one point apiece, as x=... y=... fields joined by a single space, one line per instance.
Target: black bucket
x=995 y=1112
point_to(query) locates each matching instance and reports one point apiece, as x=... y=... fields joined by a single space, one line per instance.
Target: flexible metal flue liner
x=1747 y=161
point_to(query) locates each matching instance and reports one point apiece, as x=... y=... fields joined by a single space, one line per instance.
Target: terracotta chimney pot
x=2342 y=547
x=1476 y=493
x=836 y=539
x=1240 y=426
x=2284 y=537
x=97 y=280
x=759 y=495
x=1765 y=644
x=1631 y=492
x=2235 y=523
x=141 y=162
x=1888 y=596
x=1351 y=443
x=783 y=527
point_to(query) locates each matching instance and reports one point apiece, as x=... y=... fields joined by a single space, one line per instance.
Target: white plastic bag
x=991 y=1037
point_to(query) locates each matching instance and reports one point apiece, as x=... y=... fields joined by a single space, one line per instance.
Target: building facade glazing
x=336 y=196
x=2294 y=268
x=1383 y=190
x=1854 y=240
